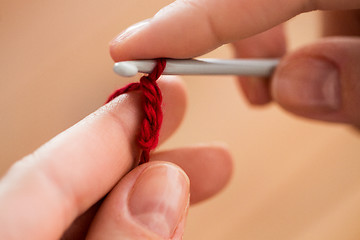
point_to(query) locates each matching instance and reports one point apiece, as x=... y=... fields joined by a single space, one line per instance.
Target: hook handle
x=245 y=67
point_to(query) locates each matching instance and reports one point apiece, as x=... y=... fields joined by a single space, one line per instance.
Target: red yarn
x=150 y=126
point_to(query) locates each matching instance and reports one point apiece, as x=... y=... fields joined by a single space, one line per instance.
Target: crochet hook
x=205 y=66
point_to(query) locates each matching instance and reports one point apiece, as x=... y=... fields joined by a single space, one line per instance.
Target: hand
x=319 y=81
x=77 y=185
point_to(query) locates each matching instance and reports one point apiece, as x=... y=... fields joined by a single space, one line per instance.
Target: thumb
x=321 y=81
x=151 y=202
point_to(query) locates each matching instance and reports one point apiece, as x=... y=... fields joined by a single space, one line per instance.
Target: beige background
x=293 y=178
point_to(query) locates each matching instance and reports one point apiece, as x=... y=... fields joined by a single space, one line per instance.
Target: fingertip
x=175 y=82
x=256 y=90
x=268 y=44
x=174 y=104
x=209 y=167
x=151 y=202
x=116 y=45
x=160 y=184
x=320 y=80
x=213 y=164
x=221 y=157
x=176 y=91
x=308 y=85
x=167 y=34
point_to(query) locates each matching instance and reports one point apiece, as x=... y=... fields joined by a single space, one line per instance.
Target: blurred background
x=293 y=178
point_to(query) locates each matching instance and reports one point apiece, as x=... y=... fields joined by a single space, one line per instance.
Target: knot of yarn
x=150 y=127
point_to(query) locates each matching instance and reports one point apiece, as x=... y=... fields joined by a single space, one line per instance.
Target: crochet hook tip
x=125 y=69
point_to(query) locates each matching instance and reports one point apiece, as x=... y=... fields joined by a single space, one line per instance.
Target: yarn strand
x=150 y=127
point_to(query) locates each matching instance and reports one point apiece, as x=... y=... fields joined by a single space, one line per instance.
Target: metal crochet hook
x=245 y=67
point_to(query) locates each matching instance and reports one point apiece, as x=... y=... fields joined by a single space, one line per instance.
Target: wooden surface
x=293 y=178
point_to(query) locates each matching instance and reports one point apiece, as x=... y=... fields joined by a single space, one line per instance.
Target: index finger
x=188 y=28
x=43 y=193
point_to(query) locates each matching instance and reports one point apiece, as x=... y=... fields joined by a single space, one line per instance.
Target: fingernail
x=308 y=84
x=130 y=31
x=159 y=198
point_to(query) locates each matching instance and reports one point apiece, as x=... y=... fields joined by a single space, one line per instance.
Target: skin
x=257 y=32
x=80 y=184
x=63 y=181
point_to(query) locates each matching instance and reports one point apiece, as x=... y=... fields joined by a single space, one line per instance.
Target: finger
x=321 y=81
x=209 y=168
x=188 y=28
x=268 y=44
x=173 y=106
x=150 y=202
x=67 y=175
x=341 y=23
